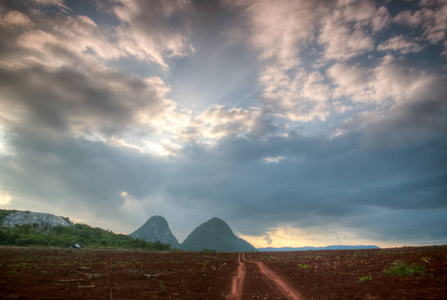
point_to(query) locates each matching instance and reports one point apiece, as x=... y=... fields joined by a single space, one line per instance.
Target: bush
x=365 y=278
x=403 y=269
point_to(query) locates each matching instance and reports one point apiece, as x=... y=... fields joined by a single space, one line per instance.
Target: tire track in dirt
x=237 y=287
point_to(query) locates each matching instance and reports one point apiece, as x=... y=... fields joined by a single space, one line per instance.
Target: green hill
x=215 y=234
x=36 y=234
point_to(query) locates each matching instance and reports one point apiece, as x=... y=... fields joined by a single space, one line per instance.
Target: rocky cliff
x=12 y=218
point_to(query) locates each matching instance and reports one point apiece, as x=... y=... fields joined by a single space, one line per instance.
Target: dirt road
x=255 y=276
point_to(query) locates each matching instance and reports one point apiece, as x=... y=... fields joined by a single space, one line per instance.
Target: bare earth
x=50 y=273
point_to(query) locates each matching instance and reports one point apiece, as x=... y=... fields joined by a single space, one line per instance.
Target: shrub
x=365 y=278
x=303 y=266
x=403 y=269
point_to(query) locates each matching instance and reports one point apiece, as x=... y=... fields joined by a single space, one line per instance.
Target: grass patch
x=272 y=258
x=365 y=278
x=161 y=286
x=403 y=269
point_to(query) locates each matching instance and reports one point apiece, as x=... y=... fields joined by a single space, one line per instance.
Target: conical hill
x=215 y=234
x=155 y=229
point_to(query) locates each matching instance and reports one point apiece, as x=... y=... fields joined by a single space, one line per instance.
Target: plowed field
x=49 y=273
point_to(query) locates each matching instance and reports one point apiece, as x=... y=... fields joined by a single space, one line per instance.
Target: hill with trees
x=65 y=236
x=216 y=235
x=156 y=229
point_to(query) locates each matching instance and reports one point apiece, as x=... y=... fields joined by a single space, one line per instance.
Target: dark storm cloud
x=58 y=99
x=75 y=174
x=321 y=181
x=423 y=116
x=427 y=226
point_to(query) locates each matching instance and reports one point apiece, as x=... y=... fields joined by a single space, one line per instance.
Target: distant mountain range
x=155 y=229
x=214 y=234
x=334 y=247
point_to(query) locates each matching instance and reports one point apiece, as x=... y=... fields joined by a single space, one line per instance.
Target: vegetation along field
x=61 y=273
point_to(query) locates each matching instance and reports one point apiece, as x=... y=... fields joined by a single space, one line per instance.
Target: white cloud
x=70 y=41
x=269 y=160
x=280 y=29
x=343 y=40
x=151 y=31
x=432 y=18
x=62 y=39
x=358 y=11
x=381 y=19
x=391 y=80
x=4 y=149
x=400 y=44
x=298 y=96
x=414 y=114
x=396 y=80
x=61 y=63
x=49 y=2
x=353 y=81
x=217 y=122
x=436 y=23
x=315 y=89
x=14 y=19
x=409 y=18
x=59 y=3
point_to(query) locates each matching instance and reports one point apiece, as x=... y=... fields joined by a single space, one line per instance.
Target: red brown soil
x=48 y=273
x=335 y=274
x=264 y=275
x=44 y=273
x=237 y=286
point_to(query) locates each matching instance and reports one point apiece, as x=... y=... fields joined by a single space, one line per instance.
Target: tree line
x=67 y=236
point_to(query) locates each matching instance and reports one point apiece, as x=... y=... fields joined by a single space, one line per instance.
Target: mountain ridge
x=306 y=248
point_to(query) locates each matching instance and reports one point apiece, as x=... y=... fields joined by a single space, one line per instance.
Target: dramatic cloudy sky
x=299 y=122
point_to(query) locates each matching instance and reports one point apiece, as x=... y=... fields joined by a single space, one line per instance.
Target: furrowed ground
x=56 y=273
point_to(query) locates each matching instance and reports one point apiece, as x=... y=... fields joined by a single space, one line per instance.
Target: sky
x=298 y=122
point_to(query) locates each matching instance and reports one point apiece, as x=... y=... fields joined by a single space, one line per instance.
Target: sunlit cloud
x=399 y=44
x=14 y=19
x=5 y=198
x=149 y=31
x=342 y=40
x=288 y=236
